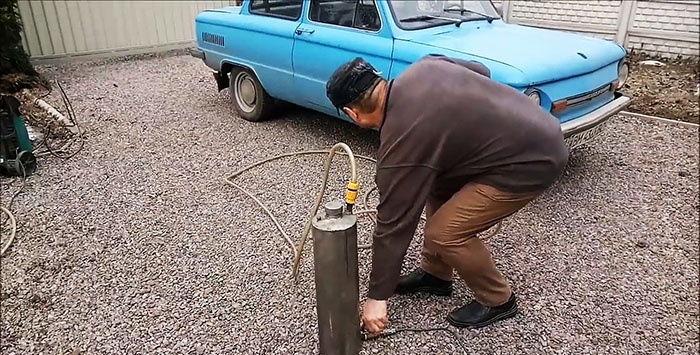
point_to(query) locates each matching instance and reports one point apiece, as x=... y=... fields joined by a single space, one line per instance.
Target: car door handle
x=303 y=30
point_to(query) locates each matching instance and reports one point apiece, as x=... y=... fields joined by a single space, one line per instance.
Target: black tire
x=248 y=96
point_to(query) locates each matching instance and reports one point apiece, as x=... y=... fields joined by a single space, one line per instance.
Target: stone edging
x=660 y=119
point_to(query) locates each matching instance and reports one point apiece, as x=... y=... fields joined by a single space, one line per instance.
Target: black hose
x=393 y=331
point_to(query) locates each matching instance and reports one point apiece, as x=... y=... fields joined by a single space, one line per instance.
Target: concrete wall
x=663 y=27
x=59 y=29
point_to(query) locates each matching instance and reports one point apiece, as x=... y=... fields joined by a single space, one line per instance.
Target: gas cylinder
x=334 y=233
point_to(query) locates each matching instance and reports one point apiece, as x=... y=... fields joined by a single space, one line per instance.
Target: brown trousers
x=450 y=239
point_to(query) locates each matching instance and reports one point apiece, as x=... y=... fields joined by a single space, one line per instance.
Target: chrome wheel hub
x=245 y=92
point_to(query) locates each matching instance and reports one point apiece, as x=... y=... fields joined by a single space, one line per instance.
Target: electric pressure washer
x=16 y=157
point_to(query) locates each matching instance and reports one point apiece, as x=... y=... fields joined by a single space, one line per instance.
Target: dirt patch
x=669 y=89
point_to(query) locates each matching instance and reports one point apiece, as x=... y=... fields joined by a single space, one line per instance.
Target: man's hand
x=375 y=316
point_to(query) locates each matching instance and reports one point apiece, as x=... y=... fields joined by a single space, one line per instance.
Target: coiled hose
x=297 y=249
x=350 y=199
x=75 y=128
x=13 y=229
x=344 y=150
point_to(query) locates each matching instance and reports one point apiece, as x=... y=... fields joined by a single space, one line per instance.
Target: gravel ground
x=137 y=245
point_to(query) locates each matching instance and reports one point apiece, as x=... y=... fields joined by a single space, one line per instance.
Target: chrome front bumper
x=597 y=117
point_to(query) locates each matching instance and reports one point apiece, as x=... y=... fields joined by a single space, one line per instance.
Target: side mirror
x=499 y=9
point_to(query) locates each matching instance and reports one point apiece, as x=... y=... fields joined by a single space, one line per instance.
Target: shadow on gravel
x=309 y=120
x=301 y=122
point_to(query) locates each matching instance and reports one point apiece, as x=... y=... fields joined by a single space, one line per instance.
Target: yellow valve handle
x=351 y=192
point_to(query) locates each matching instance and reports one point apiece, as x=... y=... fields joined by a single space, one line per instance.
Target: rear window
x=285 y=9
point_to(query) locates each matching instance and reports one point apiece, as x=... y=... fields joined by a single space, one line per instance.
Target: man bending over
x=471 y=151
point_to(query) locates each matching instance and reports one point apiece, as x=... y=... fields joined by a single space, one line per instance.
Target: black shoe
x=421 y=281
x=475 y=315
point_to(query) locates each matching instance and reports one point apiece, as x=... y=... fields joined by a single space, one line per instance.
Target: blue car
x=271 y=51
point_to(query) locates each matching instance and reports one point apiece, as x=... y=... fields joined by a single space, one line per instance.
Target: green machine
x=16 y=158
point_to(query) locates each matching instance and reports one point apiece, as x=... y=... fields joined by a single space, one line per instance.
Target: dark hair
x=351 y=81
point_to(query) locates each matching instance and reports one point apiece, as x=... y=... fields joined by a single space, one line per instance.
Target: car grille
x=586 y=97
x=213 y=39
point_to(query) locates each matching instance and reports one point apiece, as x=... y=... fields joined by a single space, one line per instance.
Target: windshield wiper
x=463 y=10
x=426 y=18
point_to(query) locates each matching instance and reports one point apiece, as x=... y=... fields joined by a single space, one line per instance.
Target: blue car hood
x=541 y=55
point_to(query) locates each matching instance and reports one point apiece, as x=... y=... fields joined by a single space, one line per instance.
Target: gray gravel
x=137 y=245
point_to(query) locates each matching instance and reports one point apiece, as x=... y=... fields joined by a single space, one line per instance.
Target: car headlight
x=534 y=95
x=623 y=72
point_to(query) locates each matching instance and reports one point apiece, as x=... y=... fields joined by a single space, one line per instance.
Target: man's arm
x=403 y=191
x=469 y=64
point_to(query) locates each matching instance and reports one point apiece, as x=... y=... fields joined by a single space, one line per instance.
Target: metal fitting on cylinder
x=337 y=280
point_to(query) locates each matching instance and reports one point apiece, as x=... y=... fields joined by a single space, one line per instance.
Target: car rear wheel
x=248 y=96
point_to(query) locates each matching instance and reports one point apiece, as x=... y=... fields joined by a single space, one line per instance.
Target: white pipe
x=61 y=118
x=53 y=112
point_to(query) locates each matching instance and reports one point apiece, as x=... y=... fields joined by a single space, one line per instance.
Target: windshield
x=410 y=15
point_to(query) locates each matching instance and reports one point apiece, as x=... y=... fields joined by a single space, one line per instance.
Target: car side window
x=360 y=14
x=286 y=9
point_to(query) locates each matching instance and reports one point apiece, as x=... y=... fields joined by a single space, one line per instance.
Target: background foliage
x=16 y=71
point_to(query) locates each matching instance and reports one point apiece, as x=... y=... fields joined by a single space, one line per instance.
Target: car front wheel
x=248 y=96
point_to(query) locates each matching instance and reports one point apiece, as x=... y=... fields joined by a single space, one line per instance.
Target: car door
x=267 y=45
x=333 y=32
